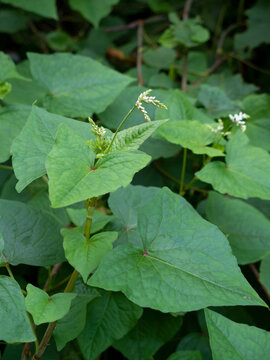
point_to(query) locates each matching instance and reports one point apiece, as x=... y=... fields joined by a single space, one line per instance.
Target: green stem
x=6 y=167
x=90 y=206
x=183 y=172
x=119 y=127
x=189 y=185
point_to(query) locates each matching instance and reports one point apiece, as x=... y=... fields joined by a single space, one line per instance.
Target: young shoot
x=143 y=98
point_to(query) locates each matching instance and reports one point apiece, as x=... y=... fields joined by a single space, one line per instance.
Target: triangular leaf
x=93 y=10
x=177 y=262
x=31 y=147
x=84 y=255
x=245 y=174
x=70 y=166
x=230 y=340
x=44 y=308
x=81 y=87
x=14 y=326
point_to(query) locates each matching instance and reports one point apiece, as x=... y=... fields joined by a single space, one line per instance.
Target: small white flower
x=144 y=98
x=239 y=120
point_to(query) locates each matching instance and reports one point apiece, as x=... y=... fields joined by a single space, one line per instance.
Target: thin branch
x=185 y=52
x=139 y=52
x=165 y=173
x=54 y=271
x=187 y=9
x=134 y=24
x=223 y=36
x=184 y=71
x=216 y=64
x=248 y=63
x=6 y=167
x=257 y=276
x=39 y=37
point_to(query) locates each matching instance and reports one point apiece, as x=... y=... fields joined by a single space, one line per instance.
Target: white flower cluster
x=239 y=120
x=144 y=98
x=99 y=131
x=219 y=128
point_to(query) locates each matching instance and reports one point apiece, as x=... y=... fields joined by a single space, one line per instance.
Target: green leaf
x=31 y=236
x=109 y=317
x=197 y=341
x=230 y=340
x=73 y=175
x=154 y=147
x=246 y=172
x=151 y=331
x=246 y=228
x=132 y=138
x=257 y=27
x=83 y=86
x=185 y=355
x=197 y=65
x=126 y=202
x=72 y=324
x=258 y=128
x=93 y=10
x=12 y=120
x=84 y=255
x=44 y=308
x=7 y=68
x=12 y=21
x=5 y=89
x=180 y=108
x=233 y=85
x=172 y=273
x=216 y=102
x=15 y=326
x=31 y=147
x=189 y=33
x=264 y=272
x=25 y=90
x=41 y=202
x=46 y=8
x=191 y=135
x=159 y=57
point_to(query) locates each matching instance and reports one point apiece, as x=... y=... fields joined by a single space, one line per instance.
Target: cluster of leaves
x=122 y=238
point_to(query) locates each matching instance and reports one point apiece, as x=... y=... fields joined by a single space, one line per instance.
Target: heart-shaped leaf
x=73 y=175
x=84 y=255
x=44 y=308
x=177 y=262
x=246 y=172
